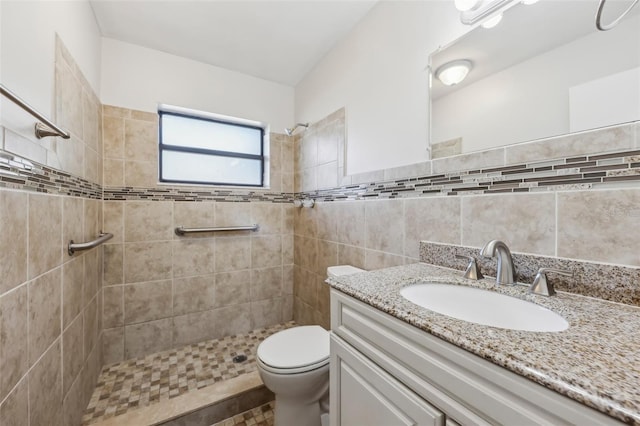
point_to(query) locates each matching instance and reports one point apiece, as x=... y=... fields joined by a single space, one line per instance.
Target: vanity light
x=464 y=5
x=493 y=21
x=453 y=72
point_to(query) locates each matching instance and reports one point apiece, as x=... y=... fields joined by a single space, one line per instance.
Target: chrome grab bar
x=181 y=231
x=73 y=247
x=41 y=130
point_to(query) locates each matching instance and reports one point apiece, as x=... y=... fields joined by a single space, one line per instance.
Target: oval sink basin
x=484 y=307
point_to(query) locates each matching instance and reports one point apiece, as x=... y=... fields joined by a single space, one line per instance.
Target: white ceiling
x=275 y=40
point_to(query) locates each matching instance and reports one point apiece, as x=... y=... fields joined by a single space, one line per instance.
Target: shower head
x=289 y=130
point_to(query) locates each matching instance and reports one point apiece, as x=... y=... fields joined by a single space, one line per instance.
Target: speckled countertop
x=596 y=361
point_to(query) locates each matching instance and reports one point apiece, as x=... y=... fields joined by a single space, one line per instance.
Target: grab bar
x=41 y=130
x=73 y=247
x=180 y=231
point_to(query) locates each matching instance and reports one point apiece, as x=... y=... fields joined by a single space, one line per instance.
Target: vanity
x=394 y=362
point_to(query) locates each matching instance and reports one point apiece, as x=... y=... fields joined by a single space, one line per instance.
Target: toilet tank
x=336 y=271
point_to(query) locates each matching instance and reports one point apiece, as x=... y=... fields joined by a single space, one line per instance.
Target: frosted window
x=209 y=151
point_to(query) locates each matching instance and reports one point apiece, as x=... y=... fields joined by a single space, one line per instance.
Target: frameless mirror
x=543 y=71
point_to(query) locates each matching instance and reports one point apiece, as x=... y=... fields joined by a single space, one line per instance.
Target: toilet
x=294 y=365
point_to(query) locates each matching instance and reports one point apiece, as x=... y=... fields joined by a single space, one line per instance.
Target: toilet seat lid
x=295 y=347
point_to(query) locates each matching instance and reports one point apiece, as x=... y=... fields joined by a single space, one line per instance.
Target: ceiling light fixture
x=453 y=72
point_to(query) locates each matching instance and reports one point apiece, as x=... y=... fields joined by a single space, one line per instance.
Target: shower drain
x=239 y=358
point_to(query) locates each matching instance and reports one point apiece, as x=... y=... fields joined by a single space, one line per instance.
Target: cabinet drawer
x=466 y=387
x=364 y=394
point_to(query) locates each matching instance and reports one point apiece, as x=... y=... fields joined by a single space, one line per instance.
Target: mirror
x=543 y=71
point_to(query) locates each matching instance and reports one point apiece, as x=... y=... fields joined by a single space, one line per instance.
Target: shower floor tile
x=143 y=381
x=259 y=416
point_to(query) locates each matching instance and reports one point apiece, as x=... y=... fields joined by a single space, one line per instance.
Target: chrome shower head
x=289 y=130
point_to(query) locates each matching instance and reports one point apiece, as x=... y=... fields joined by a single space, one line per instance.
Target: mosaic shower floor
x=143 y=381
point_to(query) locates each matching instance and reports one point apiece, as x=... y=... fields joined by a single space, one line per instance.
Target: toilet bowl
x=294 y=365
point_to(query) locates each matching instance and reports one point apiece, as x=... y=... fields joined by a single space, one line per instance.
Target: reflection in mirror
x=544 y=71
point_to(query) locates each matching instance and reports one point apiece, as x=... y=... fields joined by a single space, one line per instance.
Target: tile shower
x=63 y=318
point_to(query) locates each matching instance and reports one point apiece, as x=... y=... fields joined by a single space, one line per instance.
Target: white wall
x=27 y=49
x=378 y=73
x=140 y=78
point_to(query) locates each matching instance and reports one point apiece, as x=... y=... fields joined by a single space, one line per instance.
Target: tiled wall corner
x=319 y=154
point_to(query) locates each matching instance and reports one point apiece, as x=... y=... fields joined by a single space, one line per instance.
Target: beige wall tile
x=265 y=313
x=68 y=101
x=287 y=155
x=327 y=221
x=308 y=149
x=92 y=169
x=327 y=175
x=147 y=337
x=475 y=160
x=351 y=255
x=305 y=252
x=147 y=301
x=113 y=172
x=113 y=306
x=45 y=389
x=144 y=116
x=268 y=216
x=113 y=137
x=287 y=249
x=434 y=219
x=141 y=174
x=92 y=219
x=147 y=261
x=233 y=253
x=194 y=327
x=275 y=152
x=384 y=230
x=305 y=285
x=266 y=251
x=115 y=111
x=525 y=222
x=232 y=320
x=287 y=182
x=113 y=345
x=72 y=287
x=194 y=294
x=13 y=233
x=113 y=220
x=72 y=220
x=329 y=138
x=287 y=279
x=140 y=140
x=378 y=260
x=233 y=214
x=148 y=220
x=72 y=354
x=45 y=312
x=597 y=141
x=232 y=288
x=14 y=411
x=194 y=215
x=287 y=308
x=324 y=302
x=193 y=257
x=304 y=222
x=599 y=225
x=327 y=256
x=350 y=223
x=91 y=331
x=92 y=275
x=303 y=313
x=73 y=404
x=14 y=357
x=45 y=233
x=113 y=264
x=70 y=155
x=266 y=283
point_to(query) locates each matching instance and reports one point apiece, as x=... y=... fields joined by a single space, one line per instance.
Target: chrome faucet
x=506 y=272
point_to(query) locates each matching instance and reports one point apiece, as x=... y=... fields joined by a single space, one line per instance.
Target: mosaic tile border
x=259 y=416
x=172 y=193
x=603 y=281
x=19 y=173
x=571 y=173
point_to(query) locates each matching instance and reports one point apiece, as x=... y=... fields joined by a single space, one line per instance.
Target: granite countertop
x=596 y=361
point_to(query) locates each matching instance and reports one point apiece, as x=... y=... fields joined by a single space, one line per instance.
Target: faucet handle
x=473 y=270
x=540 y=284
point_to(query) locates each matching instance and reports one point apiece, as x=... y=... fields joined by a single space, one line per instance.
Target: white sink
x=484 y=307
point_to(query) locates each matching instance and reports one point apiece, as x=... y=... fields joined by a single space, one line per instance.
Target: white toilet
x=294 y=365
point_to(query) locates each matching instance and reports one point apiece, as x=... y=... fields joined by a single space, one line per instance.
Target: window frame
x=214 y=118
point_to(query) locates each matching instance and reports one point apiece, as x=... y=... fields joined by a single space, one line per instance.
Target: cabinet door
x=362 y=394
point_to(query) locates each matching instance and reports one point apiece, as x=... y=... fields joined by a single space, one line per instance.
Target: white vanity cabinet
x=386 y=372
